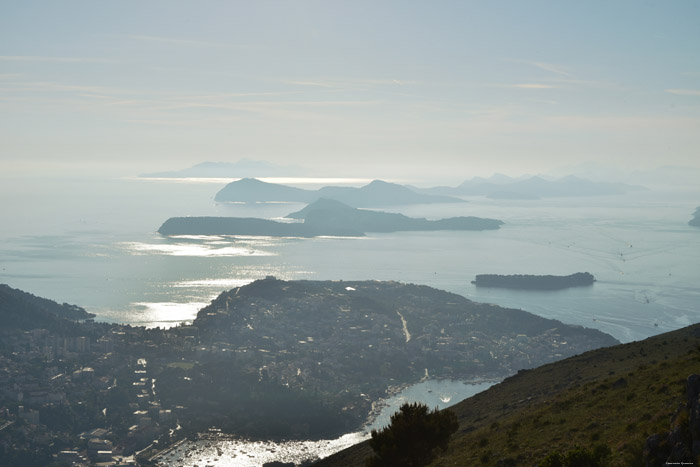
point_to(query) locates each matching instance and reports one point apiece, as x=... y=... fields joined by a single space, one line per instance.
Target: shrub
x=578 y=457
x=413 y=437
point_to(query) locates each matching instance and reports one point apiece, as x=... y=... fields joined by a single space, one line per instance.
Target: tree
x=413 y=438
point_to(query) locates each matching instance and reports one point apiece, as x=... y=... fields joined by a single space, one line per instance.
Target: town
x=311 y=358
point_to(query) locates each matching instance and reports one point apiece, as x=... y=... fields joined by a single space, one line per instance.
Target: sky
x=356 y=88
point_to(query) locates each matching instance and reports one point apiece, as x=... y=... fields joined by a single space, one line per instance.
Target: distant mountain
x=376 y=193
x=610 y=400
x=695 y=221
x=251 y=190
x=665 y=176
x=242 y=168
x=380 y=193
x=22 y=310
x=502 y=187
x=325 y=217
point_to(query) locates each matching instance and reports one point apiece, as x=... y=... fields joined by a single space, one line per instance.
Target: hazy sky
x=374 y=87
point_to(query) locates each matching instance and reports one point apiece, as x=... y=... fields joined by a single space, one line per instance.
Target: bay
x=225 y=451
x=93 y=242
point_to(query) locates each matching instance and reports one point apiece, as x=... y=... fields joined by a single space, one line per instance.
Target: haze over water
x=94 y=243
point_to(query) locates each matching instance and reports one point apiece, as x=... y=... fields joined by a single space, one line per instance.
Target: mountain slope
x=616 y=396
x=22 y=310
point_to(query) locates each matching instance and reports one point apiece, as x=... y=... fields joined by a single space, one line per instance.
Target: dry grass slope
x=616 y=396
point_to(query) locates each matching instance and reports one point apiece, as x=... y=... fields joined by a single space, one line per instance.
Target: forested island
x=531 y=282
x=272 y=359
x=324 y=217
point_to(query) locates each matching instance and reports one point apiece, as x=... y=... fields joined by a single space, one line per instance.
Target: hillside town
x=312 y=357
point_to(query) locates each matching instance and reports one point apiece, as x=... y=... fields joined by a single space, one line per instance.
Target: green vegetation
x=617 y=396
x=413 y=437
x=24 y=311
x=578 y=457
x=612 y=398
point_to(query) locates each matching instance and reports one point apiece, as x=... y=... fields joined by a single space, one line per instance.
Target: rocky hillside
x=351 y=340
x=635 y=399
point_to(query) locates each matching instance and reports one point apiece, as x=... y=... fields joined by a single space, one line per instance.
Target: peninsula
x=530 y=282
x=325 y=217
x=271 y=359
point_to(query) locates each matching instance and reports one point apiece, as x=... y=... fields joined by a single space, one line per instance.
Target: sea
x=94 y=242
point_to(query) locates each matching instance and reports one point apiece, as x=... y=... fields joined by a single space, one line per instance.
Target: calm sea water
x=94 y=243
x=230 y=452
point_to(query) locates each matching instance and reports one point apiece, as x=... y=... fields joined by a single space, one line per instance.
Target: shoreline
x=213 y=434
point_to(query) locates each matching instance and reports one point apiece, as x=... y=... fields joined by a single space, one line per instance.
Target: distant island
x=695 y=221
x=240 y=169
x=374 y=194
x=528 y=188
x=525 y=281
x=325 y=217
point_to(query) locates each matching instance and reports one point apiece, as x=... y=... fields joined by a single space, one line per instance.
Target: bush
x=413 y=437
x=578 y=457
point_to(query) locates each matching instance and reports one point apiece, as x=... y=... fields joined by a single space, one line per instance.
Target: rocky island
x=325 y=217
x=526 y=281
x=695 y=221
x=272 y=359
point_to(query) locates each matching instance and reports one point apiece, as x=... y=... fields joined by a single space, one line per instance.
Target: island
x=271 y=359
x=530 y=188
x=324 y=217
x=231 y=170
x=530 y=282
x=375 y=194
x=695 y=221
